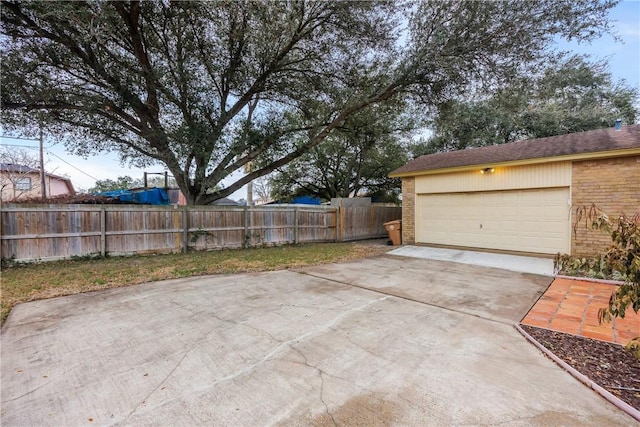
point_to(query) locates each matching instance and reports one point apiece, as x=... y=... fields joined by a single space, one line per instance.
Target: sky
x=623 y=57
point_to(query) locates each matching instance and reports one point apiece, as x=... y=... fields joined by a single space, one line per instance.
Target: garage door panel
x=532 y=227
x=559 y=212
x=510 y=226
x=510 y=212
x=555 y=228
x=520 y=220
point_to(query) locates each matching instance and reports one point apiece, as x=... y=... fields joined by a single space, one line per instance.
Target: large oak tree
x=174 y=82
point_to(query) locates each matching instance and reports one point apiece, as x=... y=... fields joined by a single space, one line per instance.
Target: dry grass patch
x=31 y=282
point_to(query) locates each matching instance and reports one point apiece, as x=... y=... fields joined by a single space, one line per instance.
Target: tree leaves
x=571 y=95
x=172 y=82
x=354 y=160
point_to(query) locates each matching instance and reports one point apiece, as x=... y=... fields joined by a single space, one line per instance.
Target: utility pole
x=43 y=189
x=249 y=166
x=249 y=186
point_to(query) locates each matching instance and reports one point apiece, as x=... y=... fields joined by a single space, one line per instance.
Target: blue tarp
x=306 y=200
x=152 y=196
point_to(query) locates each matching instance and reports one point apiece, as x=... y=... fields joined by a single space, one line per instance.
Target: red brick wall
x=613 y=185
x=408 y=210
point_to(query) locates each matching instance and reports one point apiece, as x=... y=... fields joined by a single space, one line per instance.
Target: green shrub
x=621 y=262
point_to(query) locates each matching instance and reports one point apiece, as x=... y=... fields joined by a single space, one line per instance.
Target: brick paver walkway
x=571 y=306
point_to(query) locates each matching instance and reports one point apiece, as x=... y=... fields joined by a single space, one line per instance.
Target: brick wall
x=613 y=185
x=408 y=210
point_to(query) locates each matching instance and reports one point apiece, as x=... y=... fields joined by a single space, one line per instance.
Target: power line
x=63 y=160
x=22 y=139
x=17 y=137
x=48 y=152
x=20 y=145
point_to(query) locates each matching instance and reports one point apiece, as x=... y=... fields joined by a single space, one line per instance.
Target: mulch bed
x=606 y=364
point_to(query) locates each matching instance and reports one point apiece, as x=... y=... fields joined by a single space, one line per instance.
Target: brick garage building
x=523 y=196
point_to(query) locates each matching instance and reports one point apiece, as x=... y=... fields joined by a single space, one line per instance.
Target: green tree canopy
x=354 y=160
x=121 y=183
x=172 y=82
x=126 y=182
x=571 y=95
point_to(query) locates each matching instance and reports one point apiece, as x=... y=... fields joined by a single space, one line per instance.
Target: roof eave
x=569 y=157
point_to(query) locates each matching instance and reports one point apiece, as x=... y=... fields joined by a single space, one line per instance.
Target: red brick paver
x=571 y=306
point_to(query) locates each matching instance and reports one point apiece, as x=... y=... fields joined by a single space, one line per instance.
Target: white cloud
x=629 y=30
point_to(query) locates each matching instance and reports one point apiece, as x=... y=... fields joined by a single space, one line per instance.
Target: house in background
x=522 y=196
x=225 y=201
x=23 y=182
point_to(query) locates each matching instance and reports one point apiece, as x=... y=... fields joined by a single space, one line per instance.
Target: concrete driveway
x=380 y=341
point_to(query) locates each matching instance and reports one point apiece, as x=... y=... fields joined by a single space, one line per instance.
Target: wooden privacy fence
x=49 y=232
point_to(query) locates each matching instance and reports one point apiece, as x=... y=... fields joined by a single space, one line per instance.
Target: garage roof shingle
x=593 y=141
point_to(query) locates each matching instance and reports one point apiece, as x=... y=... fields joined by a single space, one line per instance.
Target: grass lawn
x=31 y=282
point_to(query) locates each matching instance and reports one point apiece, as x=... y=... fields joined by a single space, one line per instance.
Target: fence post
x=295 y=226
x=339 y=224
x=337 y=218
x=103 y=232
x=185 y=229
x=247 y=238
x=372 y=217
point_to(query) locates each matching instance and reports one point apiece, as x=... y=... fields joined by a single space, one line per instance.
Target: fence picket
x=49 y=232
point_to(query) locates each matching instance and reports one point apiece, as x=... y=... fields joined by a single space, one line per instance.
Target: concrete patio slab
x=488 y=293
x=289 y=348
x=523 y=264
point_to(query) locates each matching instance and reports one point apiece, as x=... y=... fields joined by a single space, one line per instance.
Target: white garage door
x=517 y=220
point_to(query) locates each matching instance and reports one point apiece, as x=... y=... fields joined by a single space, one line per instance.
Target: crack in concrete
x=177 y=365
x=296 y=339
x=347 y=335
x=314 y=367
x=326 y=407
x=252 y=366
x=29 y=392
x=320 y=375
x=157 y=387
x=406 y=298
